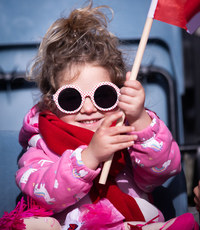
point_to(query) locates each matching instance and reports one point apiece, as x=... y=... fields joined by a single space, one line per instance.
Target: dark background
x=191 y=98
x=191 y=103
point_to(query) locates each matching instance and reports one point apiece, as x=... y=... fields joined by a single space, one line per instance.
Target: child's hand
x=131 y=102
x=197 y=196
x=106 y=141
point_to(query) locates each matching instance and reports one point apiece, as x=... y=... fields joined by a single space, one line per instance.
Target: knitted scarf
x=60 y=136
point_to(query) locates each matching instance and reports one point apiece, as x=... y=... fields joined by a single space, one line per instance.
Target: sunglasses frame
x=83 y=94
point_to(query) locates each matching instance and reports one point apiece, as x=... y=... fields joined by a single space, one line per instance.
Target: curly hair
x=70 y=42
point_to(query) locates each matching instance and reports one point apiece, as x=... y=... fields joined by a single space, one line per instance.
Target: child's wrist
x=143 y=122
x=89 y=160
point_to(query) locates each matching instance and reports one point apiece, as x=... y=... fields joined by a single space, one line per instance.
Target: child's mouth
x=89 y=122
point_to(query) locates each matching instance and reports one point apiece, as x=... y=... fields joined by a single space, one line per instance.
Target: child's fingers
x=123 y=145
x=128 y=75
x=109 y=120
x=127 y=91
x=126 y=99
x=197 y=191
x=117 y=129
x=123 y=139
x=135 y=84
x=199 y=185
x=197 y=196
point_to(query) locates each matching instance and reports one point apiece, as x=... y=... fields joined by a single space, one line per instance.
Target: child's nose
x=88 y=106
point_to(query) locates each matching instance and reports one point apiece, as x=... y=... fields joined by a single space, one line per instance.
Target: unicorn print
x=26 y=175
x=42 y=192
x=80 y=173
x=42 y=162
x=56 y=184
x=163 y=168
x=153 y=144
x=77 y=155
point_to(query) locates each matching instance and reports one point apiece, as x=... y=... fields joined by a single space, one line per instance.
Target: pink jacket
x=62 y=183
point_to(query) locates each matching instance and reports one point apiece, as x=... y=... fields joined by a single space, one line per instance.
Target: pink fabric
x=14 y=219
x=101 y=215
x=155 y=157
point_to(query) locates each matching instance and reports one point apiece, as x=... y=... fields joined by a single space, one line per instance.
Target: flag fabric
x=181 y=13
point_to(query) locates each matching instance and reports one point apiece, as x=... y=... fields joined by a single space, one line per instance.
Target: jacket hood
x=30 y=126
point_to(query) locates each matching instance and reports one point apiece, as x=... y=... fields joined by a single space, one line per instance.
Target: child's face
x=88 y=116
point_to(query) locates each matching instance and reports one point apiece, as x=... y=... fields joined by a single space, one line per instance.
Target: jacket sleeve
x=55 y=182
x=155 y=155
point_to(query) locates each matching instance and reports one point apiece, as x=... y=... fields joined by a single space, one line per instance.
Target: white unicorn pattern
x=42 y=192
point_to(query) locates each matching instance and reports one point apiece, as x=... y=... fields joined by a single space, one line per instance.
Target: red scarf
x=60 y=136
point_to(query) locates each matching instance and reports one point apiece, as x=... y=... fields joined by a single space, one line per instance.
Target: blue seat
x=9 y=150
x=171 y=197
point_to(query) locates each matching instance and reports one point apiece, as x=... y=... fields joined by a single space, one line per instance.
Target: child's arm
x=53 y=181
x=155 y=155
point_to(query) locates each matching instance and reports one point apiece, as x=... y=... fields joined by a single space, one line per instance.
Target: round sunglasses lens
x=69 y=99
x=105 y=96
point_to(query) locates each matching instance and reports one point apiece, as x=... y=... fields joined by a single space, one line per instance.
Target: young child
x=71 y=132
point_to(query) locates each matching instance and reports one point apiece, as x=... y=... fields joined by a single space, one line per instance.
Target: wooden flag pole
x=134 y=73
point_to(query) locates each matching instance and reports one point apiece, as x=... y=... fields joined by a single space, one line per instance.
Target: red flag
x=181 y=13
